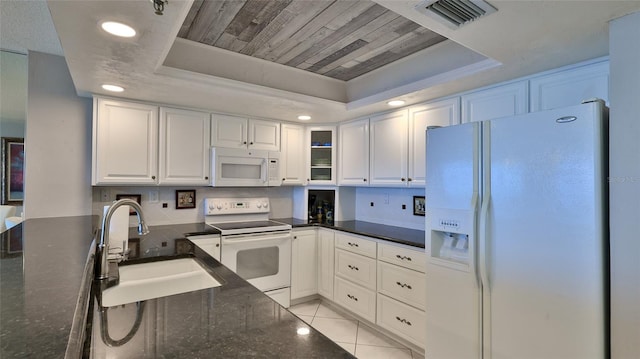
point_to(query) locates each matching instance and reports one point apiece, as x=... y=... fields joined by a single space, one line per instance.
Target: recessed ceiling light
x=304 y=117
x=395 y=103
x=118 y=29
x=112 y=88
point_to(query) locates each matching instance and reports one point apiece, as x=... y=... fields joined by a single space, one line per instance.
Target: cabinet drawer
x=356 y=244
x=356 y=268
x=401 y=319
x=408 y=258
x=403 y=284
x=355 y=298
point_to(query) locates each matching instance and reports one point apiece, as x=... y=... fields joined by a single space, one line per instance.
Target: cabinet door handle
x=244 y=142
x=402 y=179
x=409 y=179
x=217 y=244
x=402 y=320
x=404 y=285
x=364 y=179
x=353 y=244
x=353 y=297
x=251 y=143
x=206 y=177
x=153 y=177
x=403 y=258
x=352 y=267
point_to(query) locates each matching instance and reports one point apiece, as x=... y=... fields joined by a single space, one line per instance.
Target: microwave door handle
x=265 y=171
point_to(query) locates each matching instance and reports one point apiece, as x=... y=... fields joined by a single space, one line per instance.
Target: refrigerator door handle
x=482 y=242
x=483 y=236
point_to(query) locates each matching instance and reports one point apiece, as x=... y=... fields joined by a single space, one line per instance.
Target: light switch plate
x=154 y=197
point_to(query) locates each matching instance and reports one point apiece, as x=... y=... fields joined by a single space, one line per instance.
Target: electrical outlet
x=371 y=204
x=386 y=198
x=104 y=194
x=404 y=206
x=165 y=205
x=153 y=197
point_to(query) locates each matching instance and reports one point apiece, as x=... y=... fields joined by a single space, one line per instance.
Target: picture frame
x=12 y=171
x=419 y=206
x=135 y=197
x=185 y=199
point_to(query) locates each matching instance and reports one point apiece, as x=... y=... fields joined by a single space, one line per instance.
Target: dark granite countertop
x=235 y=320
x=411 y=237
x=42 y=265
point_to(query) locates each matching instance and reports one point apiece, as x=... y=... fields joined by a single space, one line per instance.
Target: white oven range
x=254 y=247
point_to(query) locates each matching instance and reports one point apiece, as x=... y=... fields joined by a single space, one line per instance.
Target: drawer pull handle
x=352 y=267
x=404 y=285
x=403 y=258
x=353 y=297
x=402 y=320
x=353 y=244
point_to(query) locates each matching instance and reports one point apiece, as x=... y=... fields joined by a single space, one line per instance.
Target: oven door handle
x=255 y=237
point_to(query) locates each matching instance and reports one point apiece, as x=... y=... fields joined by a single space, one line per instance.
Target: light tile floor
x=351 y=334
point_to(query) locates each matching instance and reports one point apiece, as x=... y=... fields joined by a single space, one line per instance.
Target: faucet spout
x=103 y=246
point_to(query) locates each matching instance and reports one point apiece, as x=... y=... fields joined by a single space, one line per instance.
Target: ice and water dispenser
x=450 y=239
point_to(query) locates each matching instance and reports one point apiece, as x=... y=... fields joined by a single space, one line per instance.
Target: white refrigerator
x=517 y=237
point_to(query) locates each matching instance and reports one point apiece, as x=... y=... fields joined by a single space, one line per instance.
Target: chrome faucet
x=103 y=247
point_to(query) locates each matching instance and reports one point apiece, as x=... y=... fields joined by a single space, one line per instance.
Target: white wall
x=387 y=206
x=57 y=142
x=280 y=199
x=624 y=93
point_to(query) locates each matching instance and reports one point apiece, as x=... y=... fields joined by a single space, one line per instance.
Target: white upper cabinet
x=501 y=101
x=292 y=158
x=571 y=87
x=354 y=153
x=184 y=147
x=125 y=143
x=322 y=155
x=264 y=135
x=239 y=132
x=389 y=149
x=439 y=113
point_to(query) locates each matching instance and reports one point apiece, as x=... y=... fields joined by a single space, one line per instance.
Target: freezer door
x=544 y=249
x=453 y=302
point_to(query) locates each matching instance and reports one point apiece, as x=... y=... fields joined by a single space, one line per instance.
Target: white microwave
x=231 y=167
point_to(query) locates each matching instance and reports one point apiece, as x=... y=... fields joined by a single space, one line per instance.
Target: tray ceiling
x=341 y=39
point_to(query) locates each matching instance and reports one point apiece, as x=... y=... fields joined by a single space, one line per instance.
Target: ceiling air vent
x=455 y=13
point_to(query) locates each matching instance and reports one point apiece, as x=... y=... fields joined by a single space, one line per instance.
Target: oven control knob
x=219 y=205
x=265 y=204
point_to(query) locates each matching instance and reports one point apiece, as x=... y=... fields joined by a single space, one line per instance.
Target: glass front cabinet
x=322 y=155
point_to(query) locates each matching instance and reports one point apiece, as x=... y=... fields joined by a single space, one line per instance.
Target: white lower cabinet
x=359 y=300
x=356 y=268
x=304 y=265
x=326 y=257
x=209 y=243
x=401 y=319
x=403 y=284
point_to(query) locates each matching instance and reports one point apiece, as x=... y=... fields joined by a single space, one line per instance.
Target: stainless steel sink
x=145 y=281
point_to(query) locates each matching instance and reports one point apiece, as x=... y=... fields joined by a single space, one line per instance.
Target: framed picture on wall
x=185 y=199
x=418 y=205
x=12 y=170
x=135 y=197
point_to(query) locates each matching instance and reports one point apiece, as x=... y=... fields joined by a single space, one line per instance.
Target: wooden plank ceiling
x=342 y=39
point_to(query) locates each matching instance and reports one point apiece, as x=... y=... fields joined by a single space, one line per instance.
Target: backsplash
x=280 y=199
x=387 y=206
